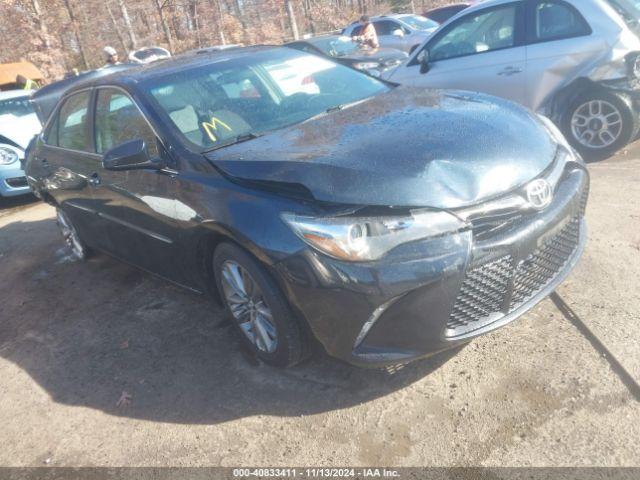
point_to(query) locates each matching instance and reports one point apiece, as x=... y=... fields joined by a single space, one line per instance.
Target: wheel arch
x=210 y=236
x=559 y=103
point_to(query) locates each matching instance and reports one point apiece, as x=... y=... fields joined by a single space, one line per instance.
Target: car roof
x=15 y=94
x=138 y=73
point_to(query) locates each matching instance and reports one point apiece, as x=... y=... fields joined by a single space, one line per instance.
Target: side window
x=555 y=20
x=357 y=31
x=385 y=27
x=51 y=135
x=118 y=121
x=478 y=33
x=72 y=123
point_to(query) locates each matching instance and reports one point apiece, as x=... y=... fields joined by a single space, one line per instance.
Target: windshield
x=18 y=106
x=214 y=104
x=337 y=46
x=419 y=23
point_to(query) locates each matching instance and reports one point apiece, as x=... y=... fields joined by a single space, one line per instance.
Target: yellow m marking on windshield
x=211 y=127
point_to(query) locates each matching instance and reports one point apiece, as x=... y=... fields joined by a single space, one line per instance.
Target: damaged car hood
x=19 y=129
x=407 y=147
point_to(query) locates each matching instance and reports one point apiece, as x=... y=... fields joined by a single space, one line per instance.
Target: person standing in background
x=110 y=56
x=368 y=35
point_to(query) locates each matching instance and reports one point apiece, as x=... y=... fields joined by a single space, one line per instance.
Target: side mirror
x=132 y=155
x=398 y=33
x=424 y=59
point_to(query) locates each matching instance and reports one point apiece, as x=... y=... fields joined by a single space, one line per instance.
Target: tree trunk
x=44 y=33
x=76 y=32
x=165 y=26
x=292 y=19
x=127 y=24
x=116 y=29
x=219 y=23
x=195 y=16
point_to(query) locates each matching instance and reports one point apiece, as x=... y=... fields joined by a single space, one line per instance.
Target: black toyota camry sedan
x=315 y=201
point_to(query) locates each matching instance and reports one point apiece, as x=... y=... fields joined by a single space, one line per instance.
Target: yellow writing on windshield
x=211 y=127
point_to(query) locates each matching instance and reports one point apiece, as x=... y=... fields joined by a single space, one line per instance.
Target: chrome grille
x=497 y=288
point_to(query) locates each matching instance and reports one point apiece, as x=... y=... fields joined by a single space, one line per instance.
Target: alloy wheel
x=70 y=235
x=248 y=307
x=597 y=124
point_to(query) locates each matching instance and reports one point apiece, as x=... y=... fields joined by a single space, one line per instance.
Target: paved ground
x=545 y=391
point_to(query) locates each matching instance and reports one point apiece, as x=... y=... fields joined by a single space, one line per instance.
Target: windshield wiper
x=234 y=141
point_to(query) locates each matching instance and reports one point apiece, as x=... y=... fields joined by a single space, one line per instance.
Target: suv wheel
x=599 y=123
x=71 y=237
x=257 y=308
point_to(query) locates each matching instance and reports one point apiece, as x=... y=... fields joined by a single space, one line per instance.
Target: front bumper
x=433 y=295
x=13 y=181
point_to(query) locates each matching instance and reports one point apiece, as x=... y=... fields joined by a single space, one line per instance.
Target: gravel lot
x=552 y=389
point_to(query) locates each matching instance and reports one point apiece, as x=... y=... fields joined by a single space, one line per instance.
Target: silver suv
x=576 y=61
x=402 y=32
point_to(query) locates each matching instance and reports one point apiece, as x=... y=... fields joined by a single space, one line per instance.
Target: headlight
x=366 y=65
x=8 y=156
x=361 y=239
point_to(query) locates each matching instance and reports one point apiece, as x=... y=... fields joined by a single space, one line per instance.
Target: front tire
x=259 y=311
x=598 y=123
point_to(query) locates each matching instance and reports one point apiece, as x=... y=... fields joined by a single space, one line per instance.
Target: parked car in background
x=18 y=125
x=148 y=54
x=442 y=14
x=344 y=50
x=402 y=32
x=575 y=61
x=388 y=222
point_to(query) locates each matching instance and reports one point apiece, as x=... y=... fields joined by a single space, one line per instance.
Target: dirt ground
x=101 y=364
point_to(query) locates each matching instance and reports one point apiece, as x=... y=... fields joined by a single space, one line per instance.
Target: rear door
x=482 y=51
x=67 y=164
x=560 y=44
x=137 y=208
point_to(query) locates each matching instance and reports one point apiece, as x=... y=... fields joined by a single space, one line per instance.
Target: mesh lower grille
x=497 y=288
x=482 y=294
x=533 y=274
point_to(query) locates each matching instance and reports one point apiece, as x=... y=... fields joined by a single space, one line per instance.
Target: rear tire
x=78 y=248
x=257 y=308
x=598 y=123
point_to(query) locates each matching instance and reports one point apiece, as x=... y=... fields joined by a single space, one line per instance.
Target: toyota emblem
x=539 y=194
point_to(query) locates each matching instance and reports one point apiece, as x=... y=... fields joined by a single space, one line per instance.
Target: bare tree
x=115 y=27
x=165 y=26
x=76 y=32
x=44 y=33
x=292 y=19
x=127 y=24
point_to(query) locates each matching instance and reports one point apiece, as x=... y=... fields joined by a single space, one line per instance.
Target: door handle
x=94 y=180
x=508 y=71
x=44 y=162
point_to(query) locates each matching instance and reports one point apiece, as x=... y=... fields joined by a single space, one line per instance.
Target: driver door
x=138 y=209
x=482 y=51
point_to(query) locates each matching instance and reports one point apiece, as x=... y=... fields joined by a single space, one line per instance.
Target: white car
x=402 y=32
x=18 y=125
x=576 y=61
x=148 y=55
